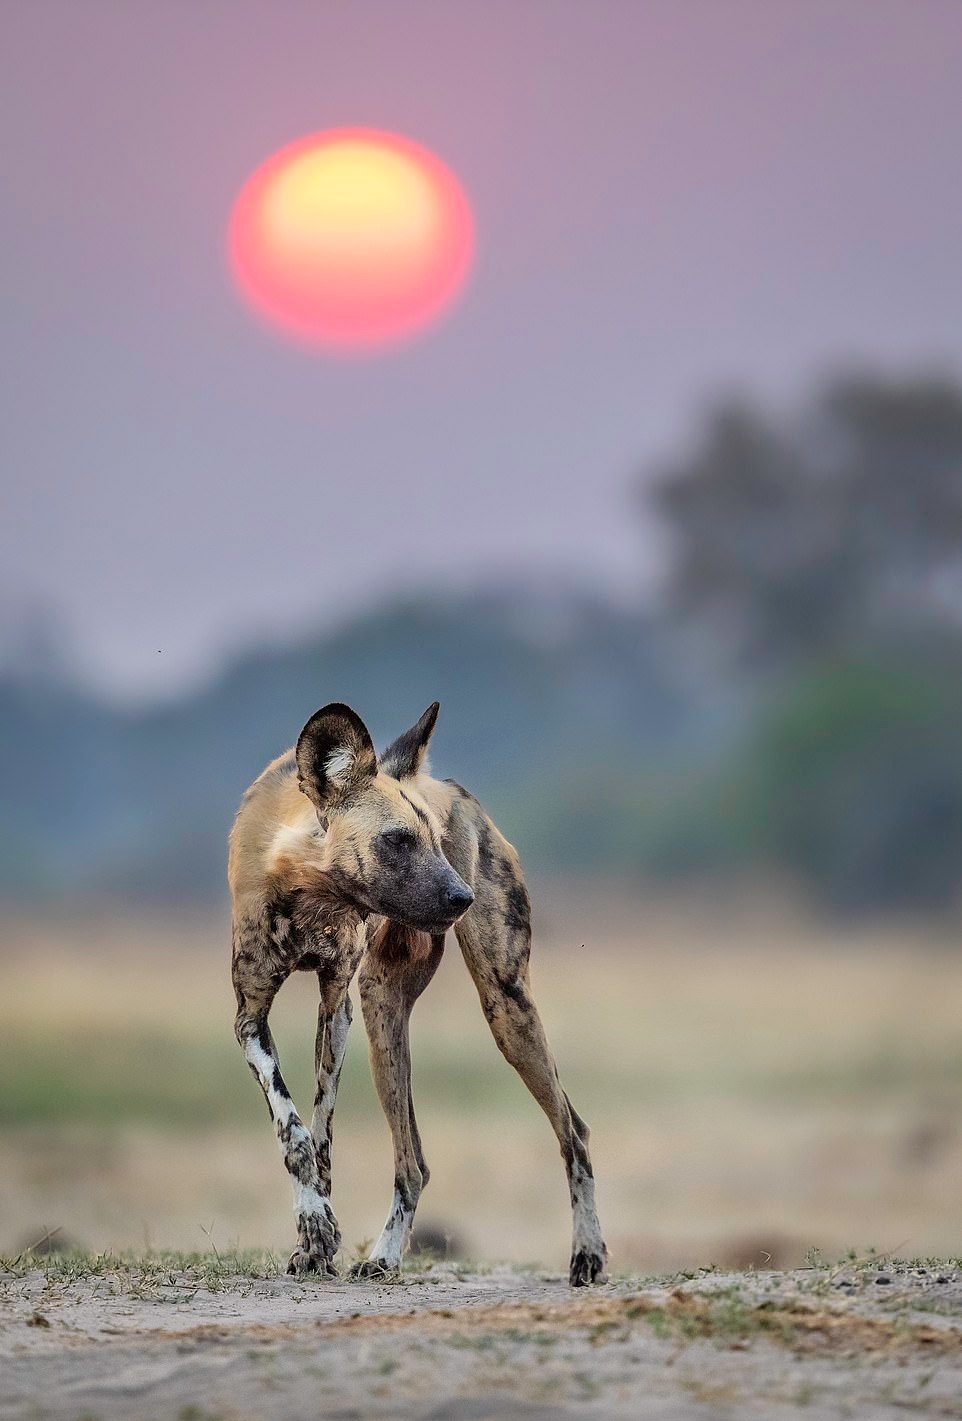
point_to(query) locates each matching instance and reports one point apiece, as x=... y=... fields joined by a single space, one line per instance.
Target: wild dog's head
x=382 y=846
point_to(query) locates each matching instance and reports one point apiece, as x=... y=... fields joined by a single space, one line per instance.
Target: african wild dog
x=339 y=860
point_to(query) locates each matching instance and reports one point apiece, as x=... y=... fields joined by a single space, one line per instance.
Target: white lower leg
x=393 y=1240
x=586 y=1230
x=316 y=1225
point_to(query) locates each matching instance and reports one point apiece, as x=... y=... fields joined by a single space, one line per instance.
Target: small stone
x=943 y=1279
x=883 y=1278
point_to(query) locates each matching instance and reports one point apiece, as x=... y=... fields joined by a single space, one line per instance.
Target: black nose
x=458 y=898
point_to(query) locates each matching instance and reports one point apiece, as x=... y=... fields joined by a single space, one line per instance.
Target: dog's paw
x=303 y=1261
x=588 y=1266
x=377 y=1270
x=318 y=1239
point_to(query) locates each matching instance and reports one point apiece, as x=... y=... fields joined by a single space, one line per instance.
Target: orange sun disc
x=351 y=238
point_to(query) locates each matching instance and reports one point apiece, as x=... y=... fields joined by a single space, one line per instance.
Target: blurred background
x=666 y=511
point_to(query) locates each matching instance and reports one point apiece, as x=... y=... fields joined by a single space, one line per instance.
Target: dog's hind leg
x=317 y=1231
x=389 y=988
x=495 y=939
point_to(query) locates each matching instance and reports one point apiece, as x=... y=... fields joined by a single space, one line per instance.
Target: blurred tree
x=136 y=801
x=823 y=554
x=803 y=539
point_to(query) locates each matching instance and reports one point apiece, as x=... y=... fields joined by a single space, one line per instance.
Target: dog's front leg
x=317 y=1231
x=330 y=1045
x=333 y=1023
x=387 y=995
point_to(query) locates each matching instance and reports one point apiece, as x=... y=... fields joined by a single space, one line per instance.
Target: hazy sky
x=670 y=199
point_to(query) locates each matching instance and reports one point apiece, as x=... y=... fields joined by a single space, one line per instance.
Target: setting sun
x=351 y=238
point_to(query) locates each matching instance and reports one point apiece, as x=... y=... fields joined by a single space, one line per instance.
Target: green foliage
x=855 y=780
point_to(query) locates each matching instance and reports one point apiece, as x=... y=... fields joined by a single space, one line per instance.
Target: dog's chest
x=311 y=935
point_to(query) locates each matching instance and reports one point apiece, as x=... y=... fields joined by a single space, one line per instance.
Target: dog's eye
x=399 y=838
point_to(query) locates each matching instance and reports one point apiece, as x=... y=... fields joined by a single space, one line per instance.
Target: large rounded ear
x=409 y=752
x=334 y=754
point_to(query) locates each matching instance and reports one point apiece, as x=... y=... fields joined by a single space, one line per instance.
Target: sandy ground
x=868 y=1341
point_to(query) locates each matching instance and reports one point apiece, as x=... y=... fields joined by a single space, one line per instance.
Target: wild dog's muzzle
x=453 y=899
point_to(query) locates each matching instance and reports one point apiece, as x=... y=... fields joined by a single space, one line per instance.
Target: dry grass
x=755 y=1086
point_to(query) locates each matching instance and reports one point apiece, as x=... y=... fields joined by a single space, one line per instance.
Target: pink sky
x=671 y=199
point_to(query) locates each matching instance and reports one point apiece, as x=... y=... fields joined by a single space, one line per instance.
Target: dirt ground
x=99 y=1339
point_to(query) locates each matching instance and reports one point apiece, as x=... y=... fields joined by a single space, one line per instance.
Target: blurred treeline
x=788 y=707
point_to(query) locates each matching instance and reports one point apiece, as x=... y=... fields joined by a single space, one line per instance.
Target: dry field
x=762 y=1093
x=756 y=1090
